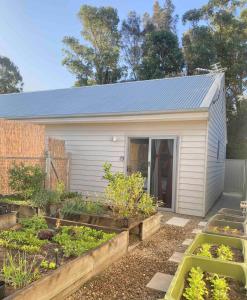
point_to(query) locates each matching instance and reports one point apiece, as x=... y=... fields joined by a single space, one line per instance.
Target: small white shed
x=172 y=130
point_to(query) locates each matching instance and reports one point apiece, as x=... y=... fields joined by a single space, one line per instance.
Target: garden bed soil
x=236 y=291
x=237 y=253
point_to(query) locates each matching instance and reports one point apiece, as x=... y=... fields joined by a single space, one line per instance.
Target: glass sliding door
x=161 y=171
x=138 y=157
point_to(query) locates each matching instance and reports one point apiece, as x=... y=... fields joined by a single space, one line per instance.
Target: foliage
x=35 y=223
x=227 y=24
x=69 y=195
x=97 y=60
x=224 y=252
x=197 y=286
x=198 y=48
x=44 y=198
x=10 y=77
x=18 y=272
x=48 y=265
x=205 y=250
x=14 y=200
x=162 y=56
x=125 y=194
x=77 y=240
x=78 y=205
x=60 y=188
x=163 y=18
x=146 y=205
x=131 y=41
x=26 y=180
x=21 y=240
x=220 y=288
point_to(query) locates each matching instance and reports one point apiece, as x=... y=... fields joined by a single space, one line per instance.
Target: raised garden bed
x=143 y=228
x=8 y=219
x=228 y=228
x=234 y=274
x=23 y=208
x=209 y=245
x=76 y=253
x=231 y=212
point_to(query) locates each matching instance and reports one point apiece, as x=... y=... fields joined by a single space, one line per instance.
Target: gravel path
x=128 y=277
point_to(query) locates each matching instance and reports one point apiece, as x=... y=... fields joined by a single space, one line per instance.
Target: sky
x=31 y=33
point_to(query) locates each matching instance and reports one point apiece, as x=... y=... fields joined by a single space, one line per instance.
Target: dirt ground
x=128 y=277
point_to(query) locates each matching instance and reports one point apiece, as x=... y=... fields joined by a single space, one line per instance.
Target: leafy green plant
x=124 y=193
x=69 y=195
x=44 y=198
x=26 y=180
x=77 y=240
x=18 y=272
x=35 y=223
x=224 y=252
x=146 y=205
x=197 y=286
x=220 y=288
x=205 y=250
x=78 y=205
x=48 y=265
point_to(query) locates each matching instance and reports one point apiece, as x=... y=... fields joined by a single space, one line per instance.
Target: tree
x=10 y=78
x=132 y=38
x=198 y=48
x=161 y=55
x=227 y=23
x=162 y=19
x=96 y=62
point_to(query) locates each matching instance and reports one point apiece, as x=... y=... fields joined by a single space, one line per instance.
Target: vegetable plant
x=26 y=180
x=44 y=198
x=224 y=252
x=18 y=272
x=220 y=288
x=197 y=287
x=48 y=265
x=35 y=223
x=79 y=205
x=205 y=250
x=77 y=240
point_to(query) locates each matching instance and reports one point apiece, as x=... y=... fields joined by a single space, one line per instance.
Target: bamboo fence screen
x=22 y=142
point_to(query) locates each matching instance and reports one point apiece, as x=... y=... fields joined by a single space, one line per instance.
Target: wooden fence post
x=48 y=169
x=68 y=171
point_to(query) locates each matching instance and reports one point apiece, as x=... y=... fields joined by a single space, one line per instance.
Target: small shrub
x=146 y=205
x=78 y=205
x=18 y=272
x=224 y=252
x=205 y=250
x=43 y=199
x=197 y=287
x=26 y=180
x=220 y=288
x=124 y=193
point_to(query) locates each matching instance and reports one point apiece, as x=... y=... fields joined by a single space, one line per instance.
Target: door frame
x=175 y=162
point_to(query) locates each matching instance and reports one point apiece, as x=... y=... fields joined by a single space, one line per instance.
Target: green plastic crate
x=214 y=221
x=228 y=269
x=218 y=240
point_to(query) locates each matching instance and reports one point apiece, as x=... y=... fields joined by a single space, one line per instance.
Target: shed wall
x=216 y=152
x=92 y=145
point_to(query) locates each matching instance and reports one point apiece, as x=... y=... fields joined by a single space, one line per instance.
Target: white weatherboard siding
x=216 y=161
x=91 y=145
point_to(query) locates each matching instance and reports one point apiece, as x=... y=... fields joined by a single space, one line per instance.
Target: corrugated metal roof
x=179 y=93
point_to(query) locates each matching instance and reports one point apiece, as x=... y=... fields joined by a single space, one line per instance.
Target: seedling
x=220 y=288
x=197 y=286
x=224 y=252
x=205 y=251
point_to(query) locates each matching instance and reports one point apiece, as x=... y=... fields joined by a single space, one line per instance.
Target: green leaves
x=205 y=250
x=97 y=61
x=220 y=288
x=10 y=77
x=197 y=287
x=224 y=252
